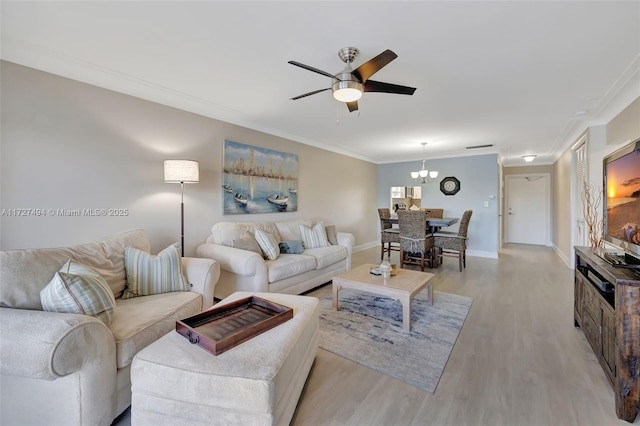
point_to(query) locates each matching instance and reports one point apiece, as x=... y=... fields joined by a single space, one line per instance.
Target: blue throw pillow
x=291 y=247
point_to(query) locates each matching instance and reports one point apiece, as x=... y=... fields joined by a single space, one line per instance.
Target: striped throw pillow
x=268 y=244
x=147 y=274
x=78 y=289
x=314 y=237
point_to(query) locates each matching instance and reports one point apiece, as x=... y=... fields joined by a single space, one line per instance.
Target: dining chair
x=416 y=246
x=454 y=243
x=388 y=234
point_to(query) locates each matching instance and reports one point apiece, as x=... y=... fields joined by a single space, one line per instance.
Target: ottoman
x=257 y=382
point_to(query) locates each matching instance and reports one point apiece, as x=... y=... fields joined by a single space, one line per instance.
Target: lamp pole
x=181 y=171
x=182 y=217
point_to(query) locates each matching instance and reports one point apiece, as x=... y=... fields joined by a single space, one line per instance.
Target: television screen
x=622 y=205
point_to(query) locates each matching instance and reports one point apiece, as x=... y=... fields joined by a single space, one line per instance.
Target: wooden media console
x=607 y=308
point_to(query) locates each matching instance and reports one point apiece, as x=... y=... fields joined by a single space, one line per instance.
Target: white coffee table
x=402 y=287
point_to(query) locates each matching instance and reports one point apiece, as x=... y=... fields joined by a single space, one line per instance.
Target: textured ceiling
x=525 y=77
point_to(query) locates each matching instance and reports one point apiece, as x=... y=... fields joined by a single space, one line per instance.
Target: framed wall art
x=258 y=180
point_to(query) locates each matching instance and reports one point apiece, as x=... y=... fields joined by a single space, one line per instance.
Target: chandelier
x=424 y=175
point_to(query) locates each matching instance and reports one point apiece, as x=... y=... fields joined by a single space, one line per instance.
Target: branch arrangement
x=591 y=201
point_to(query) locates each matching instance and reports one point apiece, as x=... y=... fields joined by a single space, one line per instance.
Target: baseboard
x=480 y=253
x=366 y=246
x=562 y=256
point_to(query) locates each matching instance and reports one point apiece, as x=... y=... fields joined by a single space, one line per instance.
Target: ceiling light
x=424 y=175
x=528 y=158
x=347 y=91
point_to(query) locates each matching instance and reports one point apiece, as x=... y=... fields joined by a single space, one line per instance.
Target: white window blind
x=582 y=180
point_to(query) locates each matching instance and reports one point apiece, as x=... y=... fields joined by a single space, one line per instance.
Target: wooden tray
x=220 y=329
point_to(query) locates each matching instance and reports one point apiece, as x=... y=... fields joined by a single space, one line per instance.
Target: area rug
x=368 y=330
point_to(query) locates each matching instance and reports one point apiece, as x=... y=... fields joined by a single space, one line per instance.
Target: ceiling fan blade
x=353 y=106
x=310 y=93
x=316 y=70
x=378 y=86
x=372 y=66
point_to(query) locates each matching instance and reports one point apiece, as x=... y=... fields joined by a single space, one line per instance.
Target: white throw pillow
x=78 y=289
x=314 y=237
x=268 y=244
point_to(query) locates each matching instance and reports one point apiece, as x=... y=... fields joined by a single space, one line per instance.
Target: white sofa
x=244 y=270
x=71 y=369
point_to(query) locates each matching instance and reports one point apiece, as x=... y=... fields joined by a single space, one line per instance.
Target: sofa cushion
x=326 y=256
x=26 y=272
x=332 y=237
x=77 y=289
x=314 y=237
x=289 y=265
x=268 y=244
x=225 y=232
x=147 y=274
x=247 y=243
x=290 y=230
x=139 y=321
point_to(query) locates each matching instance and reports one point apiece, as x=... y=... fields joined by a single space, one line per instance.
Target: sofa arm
x=240 y=262
x=203 y=275
x=348 y=240
x=49 y=345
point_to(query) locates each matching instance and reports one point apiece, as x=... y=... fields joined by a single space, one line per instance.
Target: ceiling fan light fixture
x=347 y=91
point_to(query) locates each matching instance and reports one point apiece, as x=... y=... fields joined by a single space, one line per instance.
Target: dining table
x=433 y=223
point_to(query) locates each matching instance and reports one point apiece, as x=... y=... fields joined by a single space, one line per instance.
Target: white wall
x=479 y=181
x=602 y=141
x=69 y=145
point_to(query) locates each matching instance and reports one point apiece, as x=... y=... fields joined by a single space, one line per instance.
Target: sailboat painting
x=258 y=180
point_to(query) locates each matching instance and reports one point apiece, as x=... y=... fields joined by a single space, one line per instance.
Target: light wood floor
x=519 y=360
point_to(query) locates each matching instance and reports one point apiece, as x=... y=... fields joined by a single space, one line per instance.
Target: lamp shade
x=181 y=171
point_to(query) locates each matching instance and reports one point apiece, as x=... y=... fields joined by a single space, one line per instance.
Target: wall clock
x=449 y=185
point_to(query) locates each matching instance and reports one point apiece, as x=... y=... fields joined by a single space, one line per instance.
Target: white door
x=527 y=209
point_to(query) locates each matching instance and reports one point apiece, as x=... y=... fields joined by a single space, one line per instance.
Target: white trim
x=480 y=253
x=561 y=255
x=365 y=246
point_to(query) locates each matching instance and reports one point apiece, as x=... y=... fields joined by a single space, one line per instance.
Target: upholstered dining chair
x=452 y=243
x=388 y=234
x=416 y=246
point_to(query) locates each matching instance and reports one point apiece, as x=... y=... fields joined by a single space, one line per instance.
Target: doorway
x=527 y=209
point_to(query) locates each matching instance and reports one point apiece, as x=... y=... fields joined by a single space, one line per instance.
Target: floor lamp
x=181 y=171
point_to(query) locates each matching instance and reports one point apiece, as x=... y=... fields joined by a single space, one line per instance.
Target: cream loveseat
x=246 y=270
x=72 y=369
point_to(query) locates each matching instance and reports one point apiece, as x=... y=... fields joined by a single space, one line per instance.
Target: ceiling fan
x=348 y=85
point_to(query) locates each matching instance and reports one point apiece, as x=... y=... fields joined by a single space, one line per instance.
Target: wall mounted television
x=622 y=199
